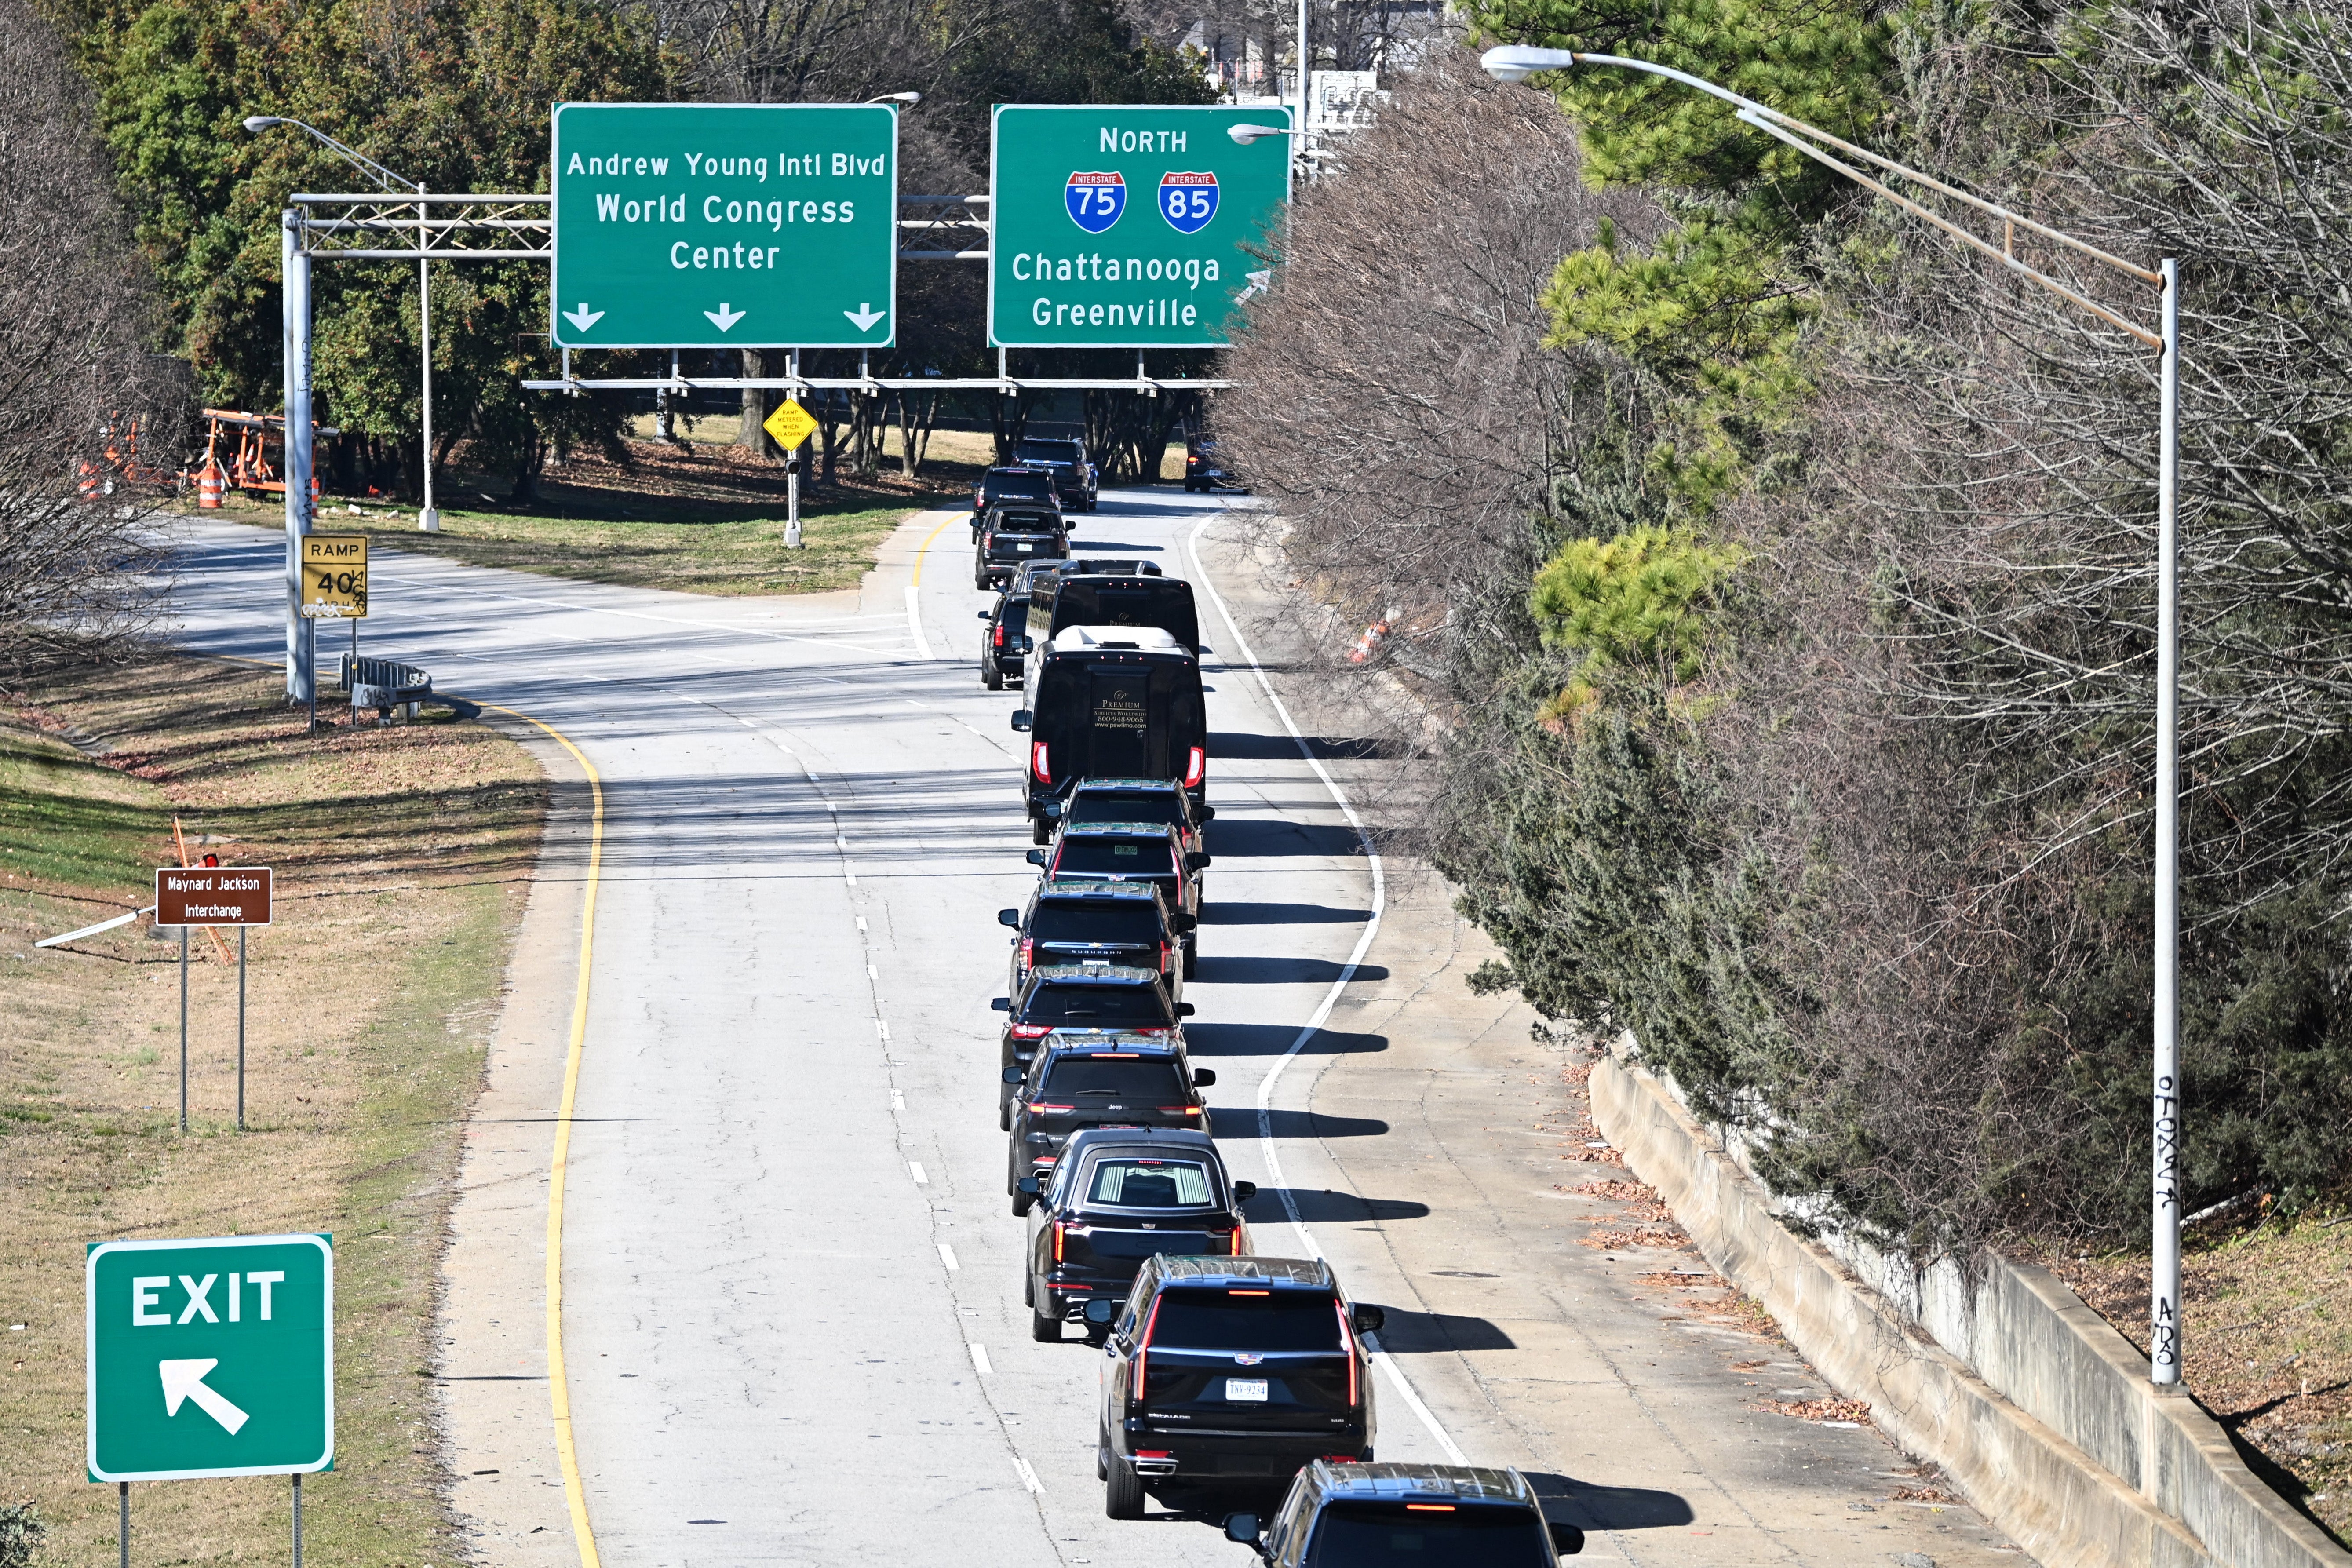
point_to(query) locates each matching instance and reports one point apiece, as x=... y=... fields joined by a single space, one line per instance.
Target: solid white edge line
x=1331 y=997
x=915 y=622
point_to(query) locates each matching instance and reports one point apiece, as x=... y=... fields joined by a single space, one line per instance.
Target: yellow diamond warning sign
x=334 y=576
x=791 y=425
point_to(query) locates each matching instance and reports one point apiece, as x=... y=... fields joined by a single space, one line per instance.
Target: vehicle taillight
x=1347 y=1338
x=1041 y=1105
x=1028 y=951
x=1196 y=767
x=1180 y=1111
x=1143 y=1348
x=1031 y=1031
x=1163 y=957
x=1000 y=634
x=1237 y=1241
x=1057 y=1240
x=1037 y=764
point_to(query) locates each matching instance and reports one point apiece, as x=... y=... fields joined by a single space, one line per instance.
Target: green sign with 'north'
x=725 y=225
x=210 y=1358
x=1119 y=225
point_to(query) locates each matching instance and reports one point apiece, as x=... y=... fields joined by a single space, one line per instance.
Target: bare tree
x=89 y=423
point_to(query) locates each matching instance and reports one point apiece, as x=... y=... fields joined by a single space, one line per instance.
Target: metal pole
x=2164 y=1282
x=240 y=1028
x=294 y=274
x=302 y=639
x=184 y=1029
x=123 y=1532
x=793 y=475
x=298 y=1519
x=429 y=519
x=1306 y=68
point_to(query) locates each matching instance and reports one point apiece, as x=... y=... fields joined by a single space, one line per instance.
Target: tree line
x=1782 y=576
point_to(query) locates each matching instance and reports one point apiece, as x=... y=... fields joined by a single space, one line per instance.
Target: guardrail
x=387 y=686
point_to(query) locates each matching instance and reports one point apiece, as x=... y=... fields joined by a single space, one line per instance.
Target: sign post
x=725 y=225
x=208 y=1358
x=791 y=425
x=334 y=588
x=1123 y=227
x=236 y=896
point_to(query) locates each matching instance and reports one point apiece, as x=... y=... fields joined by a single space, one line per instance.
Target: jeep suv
x=1232 y=1370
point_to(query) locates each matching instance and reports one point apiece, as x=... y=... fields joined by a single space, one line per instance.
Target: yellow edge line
x=559 y=1390
x=925 y=548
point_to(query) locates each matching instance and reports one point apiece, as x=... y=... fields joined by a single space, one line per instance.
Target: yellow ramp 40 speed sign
x=334 y=576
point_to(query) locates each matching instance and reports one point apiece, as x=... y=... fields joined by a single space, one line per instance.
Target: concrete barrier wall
x=2039 y=1411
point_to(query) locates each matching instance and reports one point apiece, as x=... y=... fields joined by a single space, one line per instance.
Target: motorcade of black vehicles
x=1013 y=537
x=1110 y=701
x=1066 y=1001
x=1407 y=1516
x=1074 y=475
x=1075 y=597
x=1126 y=924
x=1205 y=468
x=1139 y=800
x=1232 y=1370
x=1016 y=485
x=1115 y=1196
x=1149 y=852
x=1070 y=1085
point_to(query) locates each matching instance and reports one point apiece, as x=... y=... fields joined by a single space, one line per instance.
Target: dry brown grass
x=401 y=856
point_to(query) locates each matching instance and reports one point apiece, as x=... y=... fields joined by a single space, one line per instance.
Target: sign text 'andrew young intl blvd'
x=1124 y=226
x=209 y=1358
x=725 y=225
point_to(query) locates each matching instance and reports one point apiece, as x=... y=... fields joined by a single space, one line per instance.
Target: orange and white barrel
x=211 y=485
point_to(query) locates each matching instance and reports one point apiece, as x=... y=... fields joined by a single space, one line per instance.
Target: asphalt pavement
x=790 y=1306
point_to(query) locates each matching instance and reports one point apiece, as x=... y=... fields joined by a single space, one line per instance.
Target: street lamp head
x=1517 y=62
x=261 y=121
x=908 y=99
x=1245 y=134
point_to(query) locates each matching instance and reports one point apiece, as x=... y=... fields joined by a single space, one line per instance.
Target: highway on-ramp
x=791 y=1325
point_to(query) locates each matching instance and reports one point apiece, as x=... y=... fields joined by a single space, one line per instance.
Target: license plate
x=1240 y=1390
x=1025 y=549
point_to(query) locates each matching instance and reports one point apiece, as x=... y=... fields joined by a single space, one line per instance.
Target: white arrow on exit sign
x=864 y=316
x=184 y=1380
x=583 y=318
x=723 y=318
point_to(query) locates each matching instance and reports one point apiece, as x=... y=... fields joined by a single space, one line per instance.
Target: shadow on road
x=1319 y=1205
x=1206 y=1040
x=1236 y=746
x=1567 y=1500
x=1215 y=971
x=1261 y=835
x=1409 y=1332
x=1224 y=913
x=1240 y=1121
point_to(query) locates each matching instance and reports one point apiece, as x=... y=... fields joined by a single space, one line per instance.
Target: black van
x=1076 y=599
x=1111 y=701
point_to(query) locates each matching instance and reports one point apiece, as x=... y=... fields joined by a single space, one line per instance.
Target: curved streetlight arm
x=1518 y=62
x=358 y=160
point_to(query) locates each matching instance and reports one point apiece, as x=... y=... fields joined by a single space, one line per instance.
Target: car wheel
x=993 y=681
x=1191 y=961
x=1044 y=1328
x=1004 y=1116
x=1122 y=1489
x=1021 y=1203
x=1102 y=1460
x=1040 y=831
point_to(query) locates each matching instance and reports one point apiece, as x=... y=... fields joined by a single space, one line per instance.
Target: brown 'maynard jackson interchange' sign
x=212 y=896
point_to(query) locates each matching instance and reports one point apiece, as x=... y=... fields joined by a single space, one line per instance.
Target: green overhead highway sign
x=725 y=225
x=1122 y=227
x=210 y=1358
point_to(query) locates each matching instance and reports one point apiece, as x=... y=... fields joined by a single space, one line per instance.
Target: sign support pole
x=240 y=1028
x=183 y=1031
x=301 y=644
x=123 y=1491
x=298 y=1519
x=793 y=475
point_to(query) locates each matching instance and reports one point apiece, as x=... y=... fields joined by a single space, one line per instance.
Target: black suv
x=1063 y=1000
x=1205 y=468
x=1093 y=801
x=1013 y=485
x=1097 y=923
x=1067 y=460
x=1013 y=537
x=1238 y=1370
x=1150 y=852
x=1118 y=1195
x=1004 y=640
x=1409 y=1516
x=1073 y=1085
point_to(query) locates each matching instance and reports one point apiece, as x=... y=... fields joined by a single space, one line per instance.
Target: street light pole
x=1513 y=63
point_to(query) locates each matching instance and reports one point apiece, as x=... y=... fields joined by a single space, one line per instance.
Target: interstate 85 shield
x=1188 y=200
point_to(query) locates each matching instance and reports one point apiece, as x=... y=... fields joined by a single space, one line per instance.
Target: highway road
x=791 y=1315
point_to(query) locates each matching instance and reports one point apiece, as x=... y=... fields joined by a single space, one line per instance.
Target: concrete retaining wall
x=2039 y=1412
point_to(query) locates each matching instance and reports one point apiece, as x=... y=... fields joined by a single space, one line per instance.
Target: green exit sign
x=725 y=225
x=1124 y=226
x=210 y=1358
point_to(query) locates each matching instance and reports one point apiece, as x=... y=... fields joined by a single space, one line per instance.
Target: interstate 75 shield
x=1188 y=200
x=1096 y=199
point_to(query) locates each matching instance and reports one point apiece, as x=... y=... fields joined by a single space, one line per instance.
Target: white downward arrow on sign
x=723 y=318
x=864 y=316
x=583 y=318
x=184 y=1380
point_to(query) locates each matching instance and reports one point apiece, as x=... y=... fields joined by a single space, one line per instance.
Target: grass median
x=401 y=857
